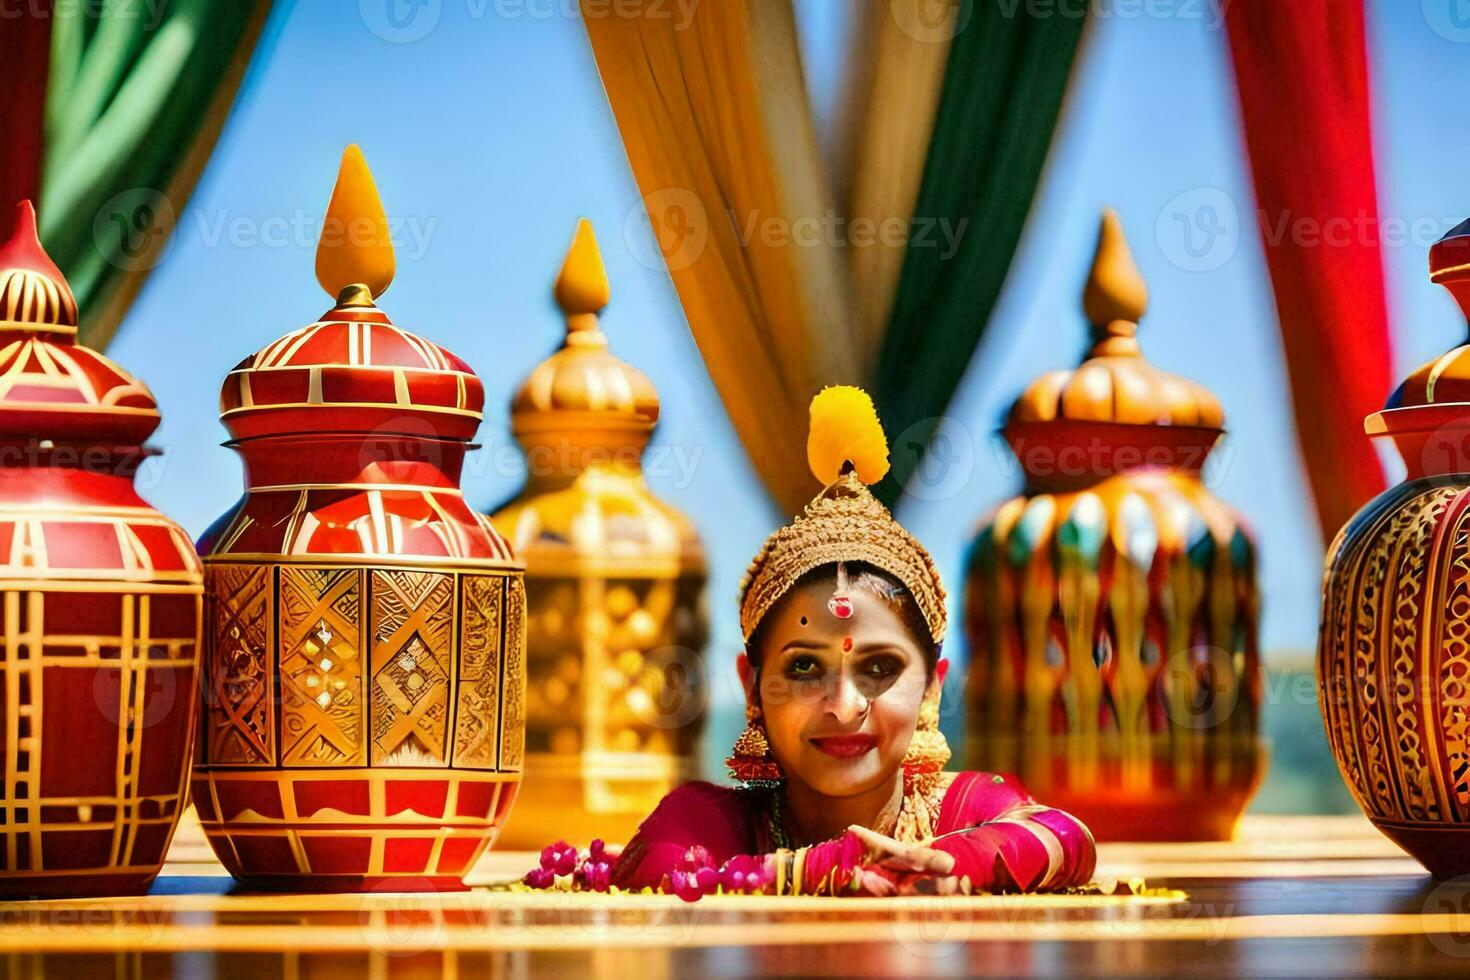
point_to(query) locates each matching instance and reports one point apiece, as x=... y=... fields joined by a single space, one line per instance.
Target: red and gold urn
x=101 y=598
x=364 y=692
x=1393 y=657
x=1111 y=607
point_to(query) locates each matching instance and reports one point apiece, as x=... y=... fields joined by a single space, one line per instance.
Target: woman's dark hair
x=871 y=579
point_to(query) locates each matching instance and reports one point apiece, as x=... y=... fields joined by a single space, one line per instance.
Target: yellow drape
x=903 y=49
x=714 y=117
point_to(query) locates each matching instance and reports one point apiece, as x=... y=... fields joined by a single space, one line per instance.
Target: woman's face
x=840 y=697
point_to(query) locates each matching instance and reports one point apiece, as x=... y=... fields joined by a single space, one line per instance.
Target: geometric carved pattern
x=477 y=724
x=413 y=620
x=321 y=667
x=240 y=692
x=381 y=670
x=513 y=696
x=77 y=800
x=1393 y=654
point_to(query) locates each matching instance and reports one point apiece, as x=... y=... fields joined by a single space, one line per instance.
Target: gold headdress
x=847 y=451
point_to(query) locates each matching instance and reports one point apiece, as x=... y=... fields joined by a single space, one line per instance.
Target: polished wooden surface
x=1322 y=896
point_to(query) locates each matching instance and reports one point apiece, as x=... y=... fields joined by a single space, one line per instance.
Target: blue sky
x=490 y=135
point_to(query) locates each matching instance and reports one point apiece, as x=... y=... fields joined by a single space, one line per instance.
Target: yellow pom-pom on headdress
x=845 y=429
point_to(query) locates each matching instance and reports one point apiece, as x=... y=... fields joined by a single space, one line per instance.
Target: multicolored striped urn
x=1393 y=657
x=363 y=720
x=1111 y=607
x=101 y=604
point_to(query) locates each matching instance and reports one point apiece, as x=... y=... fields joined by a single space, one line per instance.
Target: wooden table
x=1320 y=896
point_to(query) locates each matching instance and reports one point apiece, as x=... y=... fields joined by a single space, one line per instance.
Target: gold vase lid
x=1115 y=383
x=582 y=392
x=1444 y=381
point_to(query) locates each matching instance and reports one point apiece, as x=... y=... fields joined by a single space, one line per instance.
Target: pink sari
x=1002 y=840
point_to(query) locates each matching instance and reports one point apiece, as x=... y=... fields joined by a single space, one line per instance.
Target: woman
x=842 y=789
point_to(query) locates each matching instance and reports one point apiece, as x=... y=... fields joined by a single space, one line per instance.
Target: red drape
x=25 y=53
x=1301 y=70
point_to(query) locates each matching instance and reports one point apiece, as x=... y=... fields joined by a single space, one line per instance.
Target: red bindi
x=846 y=643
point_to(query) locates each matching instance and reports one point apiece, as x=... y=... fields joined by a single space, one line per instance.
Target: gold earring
x=751 y=761
x=928 y=750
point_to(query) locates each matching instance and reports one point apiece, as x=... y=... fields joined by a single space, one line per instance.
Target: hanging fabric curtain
x=25 y=51
x=714 y=118
x=902 y=54
x=1002 y=95
x=138 y=94
x=960 y=101
x=1301 y=69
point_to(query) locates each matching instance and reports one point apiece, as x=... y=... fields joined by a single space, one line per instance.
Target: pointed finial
x=32 y=288
x=355 y=248
x=581 y=287
x=1115 y=289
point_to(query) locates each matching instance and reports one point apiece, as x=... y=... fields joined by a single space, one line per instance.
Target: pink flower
x=540 y=878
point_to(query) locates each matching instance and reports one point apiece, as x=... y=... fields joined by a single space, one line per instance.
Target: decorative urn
x=365 y=675
x=1393 y=654
x=1110 y=609
x=101 y=597
x=615 y=585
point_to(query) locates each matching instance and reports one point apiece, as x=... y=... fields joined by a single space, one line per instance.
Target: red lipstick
x=845 y=746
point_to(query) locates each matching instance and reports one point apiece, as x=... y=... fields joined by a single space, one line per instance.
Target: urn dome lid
x=354 y=369
x=1115 y=383
x=54 y=388
x=1446 y=379
x=583 y=386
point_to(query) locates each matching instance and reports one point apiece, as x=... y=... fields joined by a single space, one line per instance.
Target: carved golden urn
x=1393 y=659
x=615 y=588
x=1110 y=609
x=364 y=668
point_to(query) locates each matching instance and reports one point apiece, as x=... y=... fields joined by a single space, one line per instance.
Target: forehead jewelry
x=840 y=605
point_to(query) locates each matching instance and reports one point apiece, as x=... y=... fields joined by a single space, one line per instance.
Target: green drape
x=1002 y=94
x=137 y=95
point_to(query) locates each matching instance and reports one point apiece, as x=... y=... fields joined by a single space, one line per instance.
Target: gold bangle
x=780 y=859
x=798 y=864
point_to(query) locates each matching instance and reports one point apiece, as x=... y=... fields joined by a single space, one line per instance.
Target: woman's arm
x=699 y=838
x=1006 y=841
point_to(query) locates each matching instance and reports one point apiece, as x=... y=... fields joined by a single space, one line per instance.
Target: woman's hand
x=900 y=857
x=892 y=867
